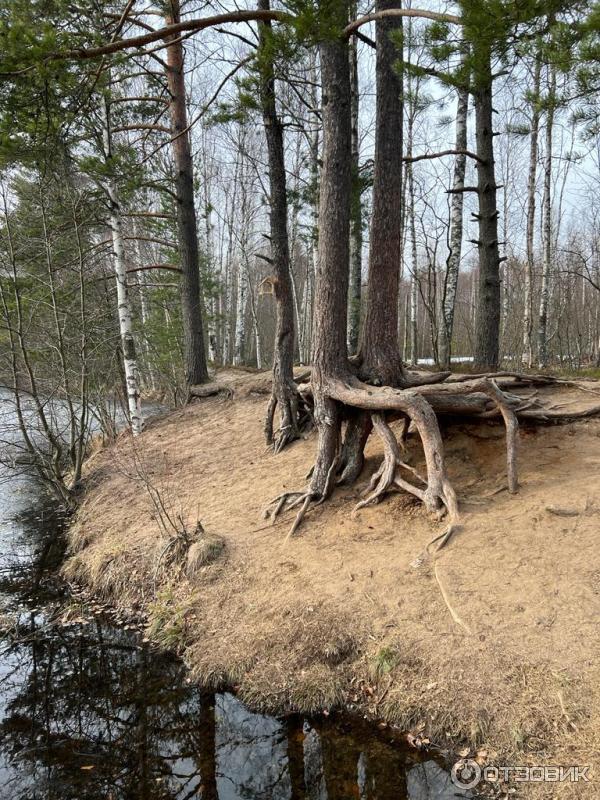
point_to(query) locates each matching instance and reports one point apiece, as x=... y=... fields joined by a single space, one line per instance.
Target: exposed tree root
x=352 y=459
x=295 y=416
x=204 y=390
x=387 y=476
x=366 y=407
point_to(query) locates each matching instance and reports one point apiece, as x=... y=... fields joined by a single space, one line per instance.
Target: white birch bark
x=547 y=224
x=531 y=183
x=123 y=304
x=456 y=230
x=240 y=315
x=414 y=279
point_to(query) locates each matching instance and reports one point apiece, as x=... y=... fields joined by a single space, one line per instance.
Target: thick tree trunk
x=456 y=232
x=487 y=326
x=354 y=304
x=379 y=359
x=547 y=227
x=379 y=351
x=330 y=354
x=284 y=393
x=196 y=370
x=531 y=181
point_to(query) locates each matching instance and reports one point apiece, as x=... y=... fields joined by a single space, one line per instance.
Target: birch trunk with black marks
x=456 y=232
x=284 y=394
x=530 y=232
x=354 y=304
x=239 y=341
x=130 y=366
x=195 y=366
x=547 y=224
x=487 y=324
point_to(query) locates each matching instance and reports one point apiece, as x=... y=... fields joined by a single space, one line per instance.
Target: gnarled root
x=323 y=473
x=365 y=407
x=437 y=495
x=295 y=416
x=438 y=492
x=503 y=404
x=352 y=459
x=203 y=390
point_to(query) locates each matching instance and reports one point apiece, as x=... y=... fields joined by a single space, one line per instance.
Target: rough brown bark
x=330 y=353
x=354 y=302
x=353 y=391
x=284 y=392
x=196 y=370
x=380 y=359
x=487 y=326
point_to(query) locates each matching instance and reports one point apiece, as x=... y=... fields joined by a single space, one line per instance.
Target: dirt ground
x=493 y=644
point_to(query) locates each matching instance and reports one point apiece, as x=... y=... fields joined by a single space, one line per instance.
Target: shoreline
x=337 y=617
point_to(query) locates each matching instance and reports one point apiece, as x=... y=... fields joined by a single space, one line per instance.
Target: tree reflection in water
x=89 y=712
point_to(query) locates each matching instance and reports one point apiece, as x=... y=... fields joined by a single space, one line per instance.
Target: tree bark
x=547 y=228
x=456 y=231
x=195 y=366
x=130 y=367
x=284 y=393
x=531 y=181
x=330 y=354
x=379 y=352
x=354 y=305
x=379 y=359
x=487 y=325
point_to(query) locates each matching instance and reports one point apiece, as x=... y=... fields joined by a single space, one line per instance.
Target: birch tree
x=456 y=227
x=130 y=365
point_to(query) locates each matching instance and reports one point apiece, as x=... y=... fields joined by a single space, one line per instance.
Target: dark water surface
x=89 y=711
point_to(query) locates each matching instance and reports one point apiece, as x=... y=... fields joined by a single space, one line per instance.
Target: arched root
x=438 y=492
x=388 y=478
x=503 y=405
x=367 y=405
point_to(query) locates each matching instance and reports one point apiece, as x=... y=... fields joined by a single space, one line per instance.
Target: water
x=88 y=711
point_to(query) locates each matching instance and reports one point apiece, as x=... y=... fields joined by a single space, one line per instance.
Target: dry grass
x=338 y=615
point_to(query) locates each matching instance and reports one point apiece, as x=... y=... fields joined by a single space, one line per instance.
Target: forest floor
x=341 y=614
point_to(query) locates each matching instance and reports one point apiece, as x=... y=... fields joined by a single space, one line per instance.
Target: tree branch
x=442 y=153
x=401 y=12
x=168 y=31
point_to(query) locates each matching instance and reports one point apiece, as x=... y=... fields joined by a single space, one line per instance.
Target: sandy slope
x=338 y=614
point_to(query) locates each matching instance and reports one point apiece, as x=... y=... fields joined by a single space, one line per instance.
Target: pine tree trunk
x=531 y=182
x=379 y=351
x=354 y=304
x=284 y=389
x=547 y=228
x=379 y=359
x=330 y=353
x=487 y=325
x=456 y=232
x=196 y=370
